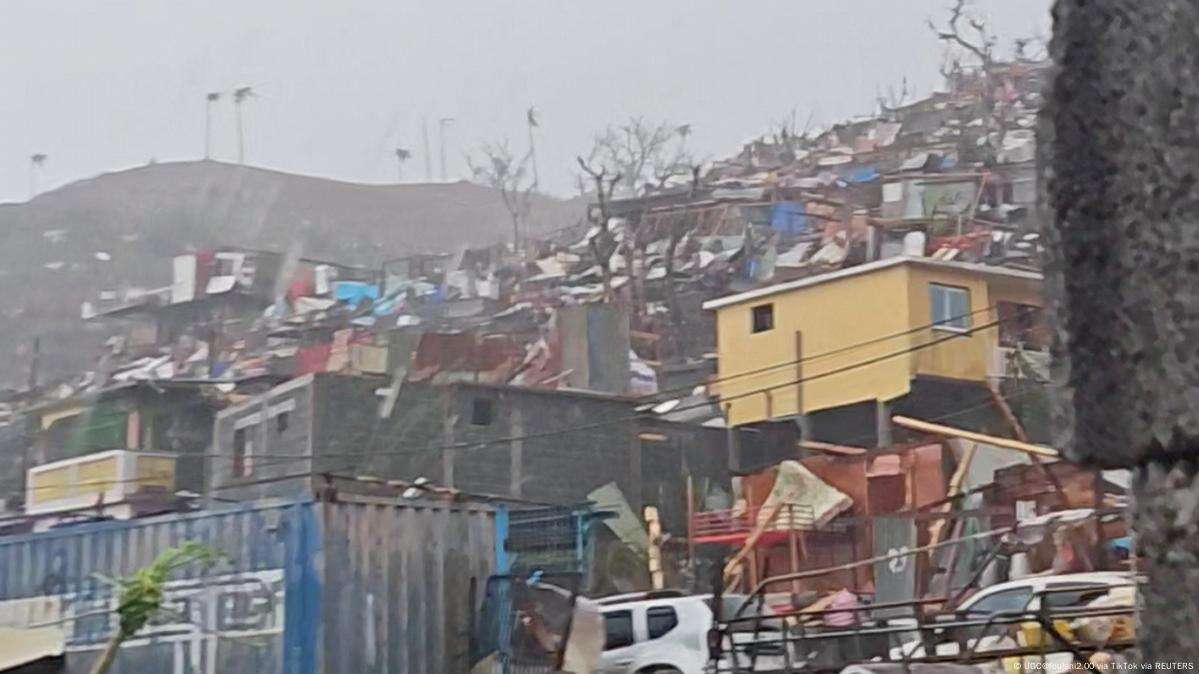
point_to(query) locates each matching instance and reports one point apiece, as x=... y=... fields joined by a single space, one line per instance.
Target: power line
x=846 y=368
x=479 y=444
x=278 y=459
x=825 y=354
x=283 y=459
x=948 y=415
x=310 y=474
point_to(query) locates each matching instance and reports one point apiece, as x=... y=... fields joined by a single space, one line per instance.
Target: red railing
x=715 y=525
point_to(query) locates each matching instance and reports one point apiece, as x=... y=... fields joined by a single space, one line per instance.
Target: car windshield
x=731 y=603
x=1015 y=599
x=1072 y=595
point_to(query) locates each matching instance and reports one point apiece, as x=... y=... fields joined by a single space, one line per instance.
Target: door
x=620 y=642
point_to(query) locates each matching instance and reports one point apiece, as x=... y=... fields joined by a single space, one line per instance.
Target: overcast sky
x=106 y=85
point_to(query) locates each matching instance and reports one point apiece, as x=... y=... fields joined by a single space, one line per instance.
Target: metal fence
x=551 y=540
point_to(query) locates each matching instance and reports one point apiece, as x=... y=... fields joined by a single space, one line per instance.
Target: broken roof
x=759 y=293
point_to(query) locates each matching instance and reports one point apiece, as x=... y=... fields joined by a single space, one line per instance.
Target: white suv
x=1067 y=591
x=668 y=632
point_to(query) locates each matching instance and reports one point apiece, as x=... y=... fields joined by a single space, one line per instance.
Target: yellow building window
x=763 y=318
x=949 y=307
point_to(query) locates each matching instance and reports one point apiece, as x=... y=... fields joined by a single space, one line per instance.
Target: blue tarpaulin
x=863 y=174
x=354 y=292
x=788 y=217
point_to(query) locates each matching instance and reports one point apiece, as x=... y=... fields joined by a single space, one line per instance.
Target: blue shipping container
x=357 y=585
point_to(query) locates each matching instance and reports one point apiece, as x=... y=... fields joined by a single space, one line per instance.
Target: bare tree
x=642 y=152
x=500 y=169
x=679 y=228
x=787 y=133
x=981 y=45
x=978 y=42
x=893 y=100
x=603 y=242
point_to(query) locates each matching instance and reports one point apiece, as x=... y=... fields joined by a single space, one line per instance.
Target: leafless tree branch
x=500 y=169
x=641 y=151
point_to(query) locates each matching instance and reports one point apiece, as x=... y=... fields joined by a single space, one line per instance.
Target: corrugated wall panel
x=229 y=616
x=310 y=588
x=397 y=587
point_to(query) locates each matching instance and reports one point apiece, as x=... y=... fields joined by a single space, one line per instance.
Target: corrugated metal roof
x=759 y=293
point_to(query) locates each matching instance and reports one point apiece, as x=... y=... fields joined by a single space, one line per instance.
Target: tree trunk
x=1165 y=492
x=1120 y=168
x=678 y=333
x=109 y=655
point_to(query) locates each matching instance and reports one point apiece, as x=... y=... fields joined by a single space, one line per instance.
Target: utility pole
x=36 y=162
x=1117 y=137
x=531 y=118
x=210 y=99
x=442 y=124
x=240 y=94
x=35 y=363
x=424 y=130
x=402 y=155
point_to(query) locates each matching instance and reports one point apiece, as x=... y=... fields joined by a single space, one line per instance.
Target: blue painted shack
x=358 y=585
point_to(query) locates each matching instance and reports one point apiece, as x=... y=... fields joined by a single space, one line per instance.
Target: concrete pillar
x=516 y=456
x=636 y=487
x=449 y=419
x=882 y=422
x=1119 y=138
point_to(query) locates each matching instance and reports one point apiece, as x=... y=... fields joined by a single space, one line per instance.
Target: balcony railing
x=1006 y=361
x=739 y=523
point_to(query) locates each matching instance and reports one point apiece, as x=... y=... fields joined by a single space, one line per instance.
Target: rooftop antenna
x=531 y=118
x=36 y=162
x=240 y=95
x=441 y=125
x=424 y=128
x=402 y=155
x=209 y=99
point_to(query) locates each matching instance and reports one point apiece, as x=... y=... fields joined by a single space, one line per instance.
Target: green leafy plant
x=140 y=596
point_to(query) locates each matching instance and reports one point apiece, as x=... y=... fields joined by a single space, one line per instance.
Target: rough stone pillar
x=1120 y=170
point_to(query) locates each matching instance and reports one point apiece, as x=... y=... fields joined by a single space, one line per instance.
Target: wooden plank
x=654 y=527
x=951 y=432
x=846 y=450
x=793 y=545
x=647 y=336
x=1021 y=435
x=955 y=485
x=762 y=526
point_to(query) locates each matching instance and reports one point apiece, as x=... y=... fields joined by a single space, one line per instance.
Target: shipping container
x=353 y=586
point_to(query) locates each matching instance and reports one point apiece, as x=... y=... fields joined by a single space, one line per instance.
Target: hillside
x=121 y=228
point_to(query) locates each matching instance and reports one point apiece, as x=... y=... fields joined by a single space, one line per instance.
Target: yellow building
x=866 y=333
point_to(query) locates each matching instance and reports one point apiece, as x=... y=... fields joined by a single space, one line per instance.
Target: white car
x=1071 y=590
x=668 y=632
